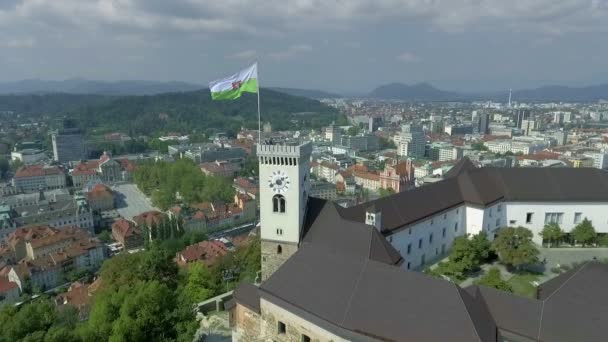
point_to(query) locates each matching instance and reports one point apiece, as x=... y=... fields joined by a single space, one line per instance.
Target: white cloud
x=276 y=16
x=407 y=57
x=246 y=54
x=291 y=51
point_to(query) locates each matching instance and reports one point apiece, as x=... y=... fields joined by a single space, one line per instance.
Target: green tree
x=479 y=146
x=584 y=233
x=467 y=253
x=386 y=143
x=145 y=314
x=39 y=320
x=552 y=233
x=251 y=167
x=199 y=283
x=385 y=192
x=353 y=130
x=494 y=280
x=514 y=247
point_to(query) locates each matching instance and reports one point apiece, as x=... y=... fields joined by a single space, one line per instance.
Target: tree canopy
x=584 y=232
x=552 y=233
x=514 y=247
x=164 y=180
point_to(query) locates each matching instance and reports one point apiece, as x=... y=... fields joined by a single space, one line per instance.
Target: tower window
x=279 y=249
x=278 y=204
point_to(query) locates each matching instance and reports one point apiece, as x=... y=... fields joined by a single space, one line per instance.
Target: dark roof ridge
x=566 y=281
x=354 y=290
x=459 y=290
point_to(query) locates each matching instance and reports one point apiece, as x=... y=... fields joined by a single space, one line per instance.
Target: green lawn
x=522 y=284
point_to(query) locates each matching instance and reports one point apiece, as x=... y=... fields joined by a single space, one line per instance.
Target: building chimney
x=373 y=217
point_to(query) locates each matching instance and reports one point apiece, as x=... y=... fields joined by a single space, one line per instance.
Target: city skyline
x=350 y=47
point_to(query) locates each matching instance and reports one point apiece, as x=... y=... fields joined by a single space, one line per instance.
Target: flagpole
x=259 y=114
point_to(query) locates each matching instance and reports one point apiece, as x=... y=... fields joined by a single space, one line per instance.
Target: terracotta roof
x=124 y=228
x=206 y=251
x=126 y=164
x=100 y=191
x=6 y=285
x=77 y=295
x=149 y=218
x=37 y=171
x=542 y=155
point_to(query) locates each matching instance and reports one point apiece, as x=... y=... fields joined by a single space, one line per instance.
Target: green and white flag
x=232 y=87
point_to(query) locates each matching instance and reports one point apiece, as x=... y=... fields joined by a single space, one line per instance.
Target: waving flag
x=231 y=87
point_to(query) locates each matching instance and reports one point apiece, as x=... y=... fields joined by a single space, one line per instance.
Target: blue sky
x=339 y=45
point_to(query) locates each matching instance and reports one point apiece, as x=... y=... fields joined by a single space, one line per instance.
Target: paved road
x=130 y=201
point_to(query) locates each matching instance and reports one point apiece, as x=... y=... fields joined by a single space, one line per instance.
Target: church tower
x=284 y=188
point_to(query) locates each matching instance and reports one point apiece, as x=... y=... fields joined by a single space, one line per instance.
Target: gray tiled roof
x=378 y=300
x=484 y=186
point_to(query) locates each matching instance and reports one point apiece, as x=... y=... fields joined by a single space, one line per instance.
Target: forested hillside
x=183 y=112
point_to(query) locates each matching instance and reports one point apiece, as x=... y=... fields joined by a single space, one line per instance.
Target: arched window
x=278 y=204
x=279 y=249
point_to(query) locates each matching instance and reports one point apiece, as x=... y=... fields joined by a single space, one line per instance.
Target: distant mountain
x=415 y=92
x=310 y=93
x=82 y=86
x=563 y=93
x=426 y=92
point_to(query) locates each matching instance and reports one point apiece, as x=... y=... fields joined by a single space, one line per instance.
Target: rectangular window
x=443 y=232
x=497 y=222
x=490 y=212
x=431 y=238
x=409 y=265
x=420 y=243
x=499 y=208
x=432 y=222
x=529 y=217
x=554 y=218
x=409 y=248
x=456 y=226
x=445 y=216
x=282 y=329
x=512 y=222
x=457 y=211
x=578 y=218
x=305 y=338
x=279 y=231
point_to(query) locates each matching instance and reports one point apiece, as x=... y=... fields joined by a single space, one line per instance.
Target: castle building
x=347 y=274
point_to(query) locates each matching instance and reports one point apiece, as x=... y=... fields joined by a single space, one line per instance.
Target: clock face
x=278 y=182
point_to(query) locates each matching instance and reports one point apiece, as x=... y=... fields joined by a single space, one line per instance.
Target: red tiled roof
x=6 y=285
x=206 y=251
x=126 y=164
x=124 y=228
x=149 y=218
x=37 y=171
x=100 y=191
x=542 y=155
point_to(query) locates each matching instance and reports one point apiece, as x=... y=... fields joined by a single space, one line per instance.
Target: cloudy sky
x=340 y=45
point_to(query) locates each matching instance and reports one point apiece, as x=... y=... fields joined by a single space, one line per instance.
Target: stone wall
x=295 y=327
x=245 y=324
x=271 y=259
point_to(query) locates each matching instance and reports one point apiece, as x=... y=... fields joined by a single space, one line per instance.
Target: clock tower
x=284 y=188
